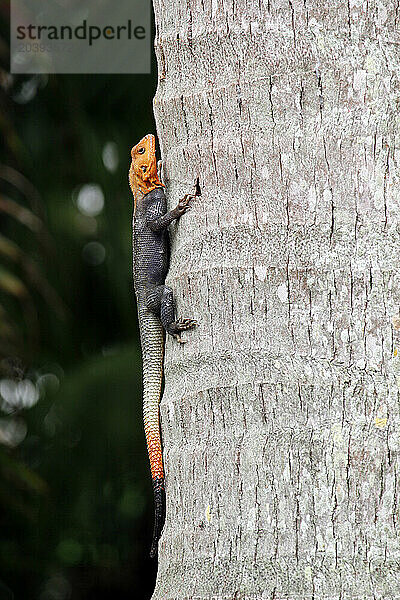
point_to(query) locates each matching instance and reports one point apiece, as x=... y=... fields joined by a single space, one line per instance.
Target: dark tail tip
x=159 y=514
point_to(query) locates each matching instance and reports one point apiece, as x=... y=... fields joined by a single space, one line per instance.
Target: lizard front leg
x=158 y=223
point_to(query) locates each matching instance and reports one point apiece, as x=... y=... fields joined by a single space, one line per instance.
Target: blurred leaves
x=26 y=274
x=9 y=250
x=75 y=490
x=15 y=472
x=100 y=506
x=21 y=214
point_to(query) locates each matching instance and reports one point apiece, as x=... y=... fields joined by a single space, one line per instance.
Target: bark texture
x=280 y=416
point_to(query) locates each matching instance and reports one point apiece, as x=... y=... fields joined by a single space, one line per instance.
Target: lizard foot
x=184 y=324
x=181 y=325
x=184 y=204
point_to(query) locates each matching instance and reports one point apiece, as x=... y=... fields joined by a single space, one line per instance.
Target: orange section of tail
x=155 y=454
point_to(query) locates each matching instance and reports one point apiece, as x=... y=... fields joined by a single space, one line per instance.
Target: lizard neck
x=140 y=196
x=141 y=186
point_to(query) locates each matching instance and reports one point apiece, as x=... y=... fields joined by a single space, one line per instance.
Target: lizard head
x=143 y=176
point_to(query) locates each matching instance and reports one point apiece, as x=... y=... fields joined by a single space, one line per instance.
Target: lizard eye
x=141 y=151
x=144 y=169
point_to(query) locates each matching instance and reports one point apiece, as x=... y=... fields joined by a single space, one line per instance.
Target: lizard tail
x=159 y=514
x=152 y=342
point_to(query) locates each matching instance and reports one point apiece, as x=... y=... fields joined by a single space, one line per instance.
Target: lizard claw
x=183 y=204
x=181 y=325
x=184 y=324
x=187 y=198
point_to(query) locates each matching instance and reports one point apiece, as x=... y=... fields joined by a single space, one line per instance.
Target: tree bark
x=280 y=416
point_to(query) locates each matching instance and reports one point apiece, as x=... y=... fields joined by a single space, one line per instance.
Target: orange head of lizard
x=143 y=176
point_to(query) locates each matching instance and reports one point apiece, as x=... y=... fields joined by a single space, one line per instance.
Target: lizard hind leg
x=154 y=295
x=172 y=326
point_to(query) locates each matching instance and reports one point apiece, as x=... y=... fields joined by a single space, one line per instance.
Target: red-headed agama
x=155 y=301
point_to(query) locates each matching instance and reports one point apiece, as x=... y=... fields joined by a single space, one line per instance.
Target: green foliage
x=75 y=494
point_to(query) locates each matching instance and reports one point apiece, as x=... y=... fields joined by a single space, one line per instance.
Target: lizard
x=155 y=302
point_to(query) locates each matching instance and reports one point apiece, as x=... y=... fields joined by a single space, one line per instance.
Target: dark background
x=75 y=491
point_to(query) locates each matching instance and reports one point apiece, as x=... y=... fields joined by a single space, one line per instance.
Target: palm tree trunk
x=280 y=416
